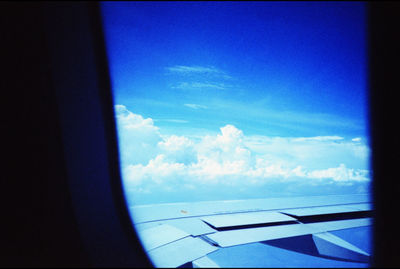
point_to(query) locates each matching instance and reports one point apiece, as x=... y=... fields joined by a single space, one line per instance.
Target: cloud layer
x=175 y=163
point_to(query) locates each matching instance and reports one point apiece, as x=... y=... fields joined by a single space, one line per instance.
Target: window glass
x=239 y=100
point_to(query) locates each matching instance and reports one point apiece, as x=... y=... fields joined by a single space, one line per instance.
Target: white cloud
x=341 y=173
x=312 y=152
x=230 y=158
x=319 y=138
x=200 y=85
x=158 y=171
x=192 y=69
x=225 y=147
x=175 y=143
x=195 y=106
x=127 y=120
x=178 y=149
x=199 y=77
x=138 y=137
x=202 y=70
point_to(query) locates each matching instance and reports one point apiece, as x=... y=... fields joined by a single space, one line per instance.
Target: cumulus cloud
x=311 y=152
x=156 y=171
x=178 y=149
x=230 y=158
x=341 y=173
x=138 y=137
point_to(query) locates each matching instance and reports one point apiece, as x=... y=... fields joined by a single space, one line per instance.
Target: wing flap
x=246 y=219
x=252 y=235
x=322 y=210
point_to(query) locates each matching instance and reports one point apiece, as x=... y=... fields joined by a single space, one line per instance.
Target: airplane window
x=243 y=131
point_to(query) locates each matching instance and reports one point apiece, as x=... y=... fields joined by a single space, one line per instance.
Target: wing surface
x=313 y=231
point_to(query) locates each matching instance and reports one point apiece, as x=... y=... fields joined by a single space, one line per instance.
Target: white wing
x=314 y=231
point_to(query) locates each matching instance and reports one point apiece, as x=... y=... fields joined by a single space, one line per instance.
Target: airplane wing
x=313 y=231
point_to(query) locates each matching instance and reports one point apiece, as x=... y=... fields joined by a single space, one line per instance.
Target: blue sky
x=234 y=100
